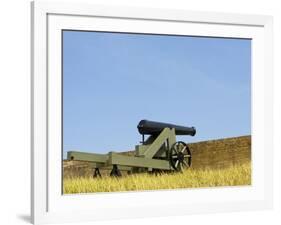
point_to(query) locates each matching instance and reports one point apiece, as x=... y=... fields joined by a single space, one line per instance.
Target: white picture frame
x=48 y=205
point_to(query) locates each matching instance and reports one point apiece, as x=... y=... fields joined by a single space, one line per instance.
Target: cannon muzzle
x=155 y=128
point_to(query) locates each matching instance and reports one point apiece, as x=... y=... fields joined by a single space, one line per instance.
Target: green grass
x=191 y=178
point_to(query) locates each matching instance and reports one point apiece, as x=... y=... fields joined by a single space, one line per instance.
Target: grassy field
x=191 y=178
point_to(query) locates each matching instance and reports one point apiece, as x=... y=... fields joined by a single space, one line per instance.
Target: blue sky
x=111 y=81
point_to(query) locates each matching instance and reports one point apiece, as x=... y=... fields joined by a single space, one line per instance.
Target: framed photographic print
x=142 y=112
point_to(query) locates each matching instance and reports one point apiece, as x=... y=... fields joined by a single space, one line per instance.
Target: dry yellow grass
x=233 y=176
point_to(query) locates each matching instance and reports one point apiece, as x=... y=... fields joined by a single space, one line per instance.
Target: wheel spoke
x=185 y=163
x=183 y=149
x=186 y=156
x=176 y=164
x=180 y=167
x=174 y=156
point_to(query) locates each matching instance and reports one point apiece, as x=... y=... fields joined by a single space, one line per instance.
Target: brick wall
x=221 y=153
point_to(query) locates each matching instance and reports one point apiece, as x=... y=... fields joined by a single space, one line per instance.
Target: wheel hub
x=180 y=156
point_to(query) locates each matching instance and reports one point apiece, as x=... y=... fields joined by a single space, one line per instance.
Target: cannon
x=155 y=128
x=158 y=152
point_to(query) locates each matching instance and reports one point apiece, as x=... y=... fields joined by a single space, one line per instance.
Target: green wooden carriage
x=159 y=152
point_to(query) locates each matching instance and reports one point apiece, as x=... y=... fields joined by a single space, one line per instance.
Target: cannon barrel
x=155 y=128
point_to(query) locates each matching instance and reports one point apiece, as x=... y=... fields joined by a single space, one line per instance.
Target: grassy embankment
x=191 y=178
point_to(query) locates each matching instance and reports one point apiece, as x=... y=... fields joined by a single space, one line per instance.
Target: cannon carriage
x=158 y=152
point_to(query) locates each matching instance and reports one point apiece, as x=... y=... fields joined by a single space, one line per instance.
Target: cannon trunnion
x=159 y=152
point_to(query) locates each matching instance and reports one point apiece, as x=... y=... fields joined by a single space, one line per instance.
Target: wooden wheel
x=180 y=156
